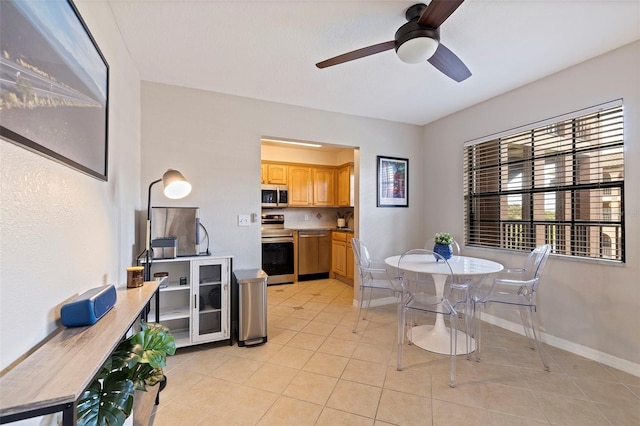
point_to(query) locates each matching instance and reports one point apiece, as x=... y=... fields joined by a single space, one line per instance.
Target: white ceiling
x=266 y=49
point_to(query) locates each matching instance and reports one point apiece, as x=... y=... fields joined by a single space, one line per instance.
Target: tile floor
x=315 y=371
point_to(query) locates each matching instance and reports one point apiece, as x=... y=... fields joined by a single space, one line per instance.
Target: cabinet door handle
x=195 y=306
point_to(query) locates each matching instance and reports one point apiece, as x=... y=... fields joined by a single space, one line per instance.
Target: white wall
x=63 y=232
x=214 y=139
x=585 y=306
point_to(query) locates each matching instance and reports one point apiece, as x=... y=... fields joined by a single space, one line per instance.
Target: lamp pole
x=147 y=264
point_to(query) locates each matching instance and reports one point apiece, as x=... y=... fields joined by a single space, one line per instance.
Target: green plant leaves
x=106 y=402
x=135 y=363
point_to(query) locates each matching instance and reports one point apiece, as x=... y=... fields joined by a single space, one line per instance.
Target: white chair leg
x=355 y=324
x=537 y=338
x=453 y=347
x=401 y=319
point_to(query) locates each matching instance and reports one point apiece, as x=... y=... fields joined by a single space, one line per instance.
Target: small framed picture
x=393 y=182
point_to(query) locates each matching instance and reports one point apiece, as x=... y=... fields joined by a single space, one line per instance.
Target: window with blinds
x=559 y=183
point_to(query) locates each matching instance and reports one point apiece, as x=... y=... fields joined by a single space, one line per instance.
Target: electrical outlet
x=244 y=220
x=306 y=217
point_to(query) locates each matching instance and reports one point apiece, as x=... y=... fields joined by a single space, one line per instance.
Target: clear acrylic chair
x=373 y=275
x=417 y=297
x=516 y=287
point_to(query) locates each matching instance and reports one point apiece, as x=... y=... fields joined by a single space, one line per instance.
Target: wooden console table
x=53 y=377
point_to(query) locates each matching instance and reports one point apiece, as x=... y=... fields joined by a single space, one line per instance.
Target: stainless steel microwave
x=275 y=196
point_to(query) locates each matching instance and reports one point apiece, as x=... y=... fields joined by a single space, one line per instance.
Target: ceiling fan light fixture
x=417 y=50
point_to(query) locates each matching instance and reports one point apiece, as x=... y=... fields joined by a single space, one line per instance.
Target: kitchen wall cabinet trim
x=186 y=304
x=52 y=378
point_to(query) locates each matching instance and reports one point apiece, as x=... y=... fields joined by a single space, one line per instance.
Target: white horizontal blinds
x=561 y=183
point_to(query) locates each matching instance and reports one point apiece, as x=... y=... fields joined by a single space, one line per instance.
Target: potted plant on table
x=135 y=364
x=443 y=242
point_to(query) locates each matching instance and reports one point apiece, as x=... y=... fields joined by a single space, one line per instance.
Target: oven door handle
x=277 y=240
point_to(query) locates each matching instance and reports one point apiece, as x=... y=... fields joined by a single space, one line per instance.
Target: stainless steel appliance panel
x=181 y=223
x=314 y=248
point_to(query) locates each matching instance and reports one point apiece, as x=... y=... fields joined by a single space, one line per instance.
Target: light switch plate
x=244 y=220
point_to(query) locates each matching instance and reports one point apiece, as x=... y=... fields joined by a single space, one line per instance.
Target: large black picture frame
x=54 y=84
x=393 y=182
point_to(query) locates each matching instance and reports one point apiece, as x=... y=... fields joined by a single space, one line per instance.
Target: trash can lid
x=244 y=275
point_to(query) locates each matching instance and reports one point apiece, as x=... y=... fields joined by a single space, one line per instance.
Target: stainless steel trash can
x=252 y=306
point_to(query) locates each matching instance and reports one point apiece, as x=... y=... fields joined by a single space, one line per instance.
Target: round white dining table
x=436 y=338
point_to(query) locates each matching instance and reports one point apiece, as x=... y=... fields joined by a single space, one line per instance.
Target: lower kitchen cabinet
x=194 y=300
x=342 y=255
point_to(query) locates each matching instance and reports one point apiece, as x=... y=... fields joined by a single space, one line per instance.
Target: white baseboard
x=584 y=351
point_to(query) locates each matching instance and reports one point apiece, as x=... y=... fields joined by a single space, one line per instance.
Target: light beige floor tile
x=329 y=318
x=450 y=414
x=307 y=341
x=583 y=368
x=291 y=323
x=355 y=398
x=279 y=335
x=311 y=387
x=344 y=333
x=620 y=416
x=545 y=381
x=510 y=400
x=272 y=377
x=291 y=357
x=320 y=328
x=260 y=352
x=615 y=394
x=302 y=313
x=626 y=378
x=335 y=377
x=291 y=412
x=338 y=347
x=561 y=410
x=403 y=408
x=501 y=419
x=204 y=393
x=327 y=364
x=415 y=381
x=373 y=353
x=366 y=372
x=466 y=392
x=331 y=417
x=171 y=414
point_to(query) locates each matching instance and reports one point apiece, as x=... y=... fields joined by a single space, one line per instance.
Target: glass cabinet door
x=210 y=307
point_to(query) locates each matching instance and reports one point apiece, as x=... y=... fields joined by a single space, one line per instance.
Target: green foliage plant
x=135 y=364
x=443 y=238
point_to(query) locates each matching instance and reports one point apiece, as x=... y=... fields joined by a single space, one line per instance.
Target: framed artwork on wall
x=393 y=182
x=55 y=84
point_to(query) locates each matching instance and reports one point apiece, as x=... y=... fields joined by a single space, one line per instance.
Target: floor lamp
x=175 y=187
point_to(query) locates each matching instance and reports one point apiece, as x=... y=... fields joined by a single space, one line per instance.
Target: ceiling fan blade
x=438 y=11
x=357 y=54
x=449 y=64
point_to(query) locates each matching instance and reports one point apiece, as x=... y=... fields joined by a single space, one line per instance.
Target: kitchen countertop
x=323 y=229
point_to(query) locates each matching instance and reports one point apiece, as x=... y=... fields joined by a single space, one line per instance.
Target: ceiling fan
x=417 y=41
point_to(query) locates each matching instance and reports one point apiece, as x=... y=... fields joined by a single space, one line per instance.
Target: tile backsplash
x=316 y=217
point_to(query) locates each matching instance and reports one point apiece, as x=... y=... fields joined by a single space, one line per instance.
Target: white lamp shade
x=175 y=185
x=417 y=50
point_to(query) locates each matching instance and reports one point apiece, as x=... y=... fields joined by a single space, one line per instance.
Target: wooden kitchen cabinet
x=342 y=255
x=274 y=174
x=300 y=186
x=345 y=186
x=324 y=186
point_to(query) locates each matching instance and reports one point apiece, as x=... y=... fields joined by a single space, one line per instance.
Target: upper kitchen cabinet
x=275 y=174
x=300 y=186
x=324 y=186
x=345 y=186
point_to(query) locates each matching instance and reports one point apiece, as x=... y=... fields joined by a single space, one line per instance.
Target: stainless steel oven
x=277 y=250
